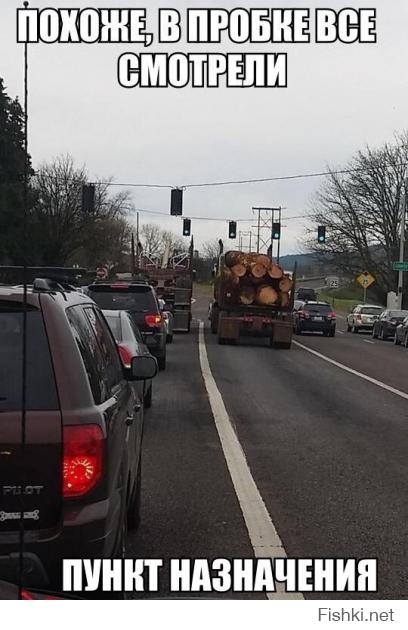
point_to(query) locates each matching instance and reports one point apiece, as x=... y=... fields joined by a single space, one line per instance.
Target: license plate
x=318 y=319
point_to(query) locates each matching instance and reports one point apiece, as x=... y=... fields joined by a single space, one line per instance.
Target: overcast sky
x=339 y=98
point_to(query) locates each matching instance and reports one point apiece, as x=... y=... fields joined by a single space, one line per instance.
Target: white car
x=168 y=319
x=363 y=317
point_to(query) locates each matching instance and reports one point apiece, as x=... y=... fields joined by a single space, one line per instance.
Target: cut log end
x=247 y=295
x=285 y=284
x=275 y=271
x=266 y=296
x=239 y=270
x=258 y=270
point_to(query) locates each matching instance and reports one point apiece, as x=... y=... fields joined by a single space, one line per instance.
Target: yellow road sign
x=365 y=279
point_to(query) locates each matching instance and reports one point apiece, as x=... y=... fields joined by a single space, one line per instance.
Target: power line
x=223 y=219
x=232 y=182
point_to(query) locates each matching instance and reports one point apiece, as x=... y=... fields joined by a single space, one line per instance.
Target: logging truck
x=172 y=277
x=253 y=296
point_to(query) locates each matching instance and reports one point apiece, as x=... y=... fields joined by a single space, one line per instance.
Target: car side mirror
x=142 y=368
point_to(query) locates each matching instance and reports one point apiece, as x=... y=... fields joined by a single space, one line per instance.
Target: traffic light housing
x=321 y=233
x=176 y=202
x=232 y=229
x=186 y=227
x=276 y=231
x=88 y=198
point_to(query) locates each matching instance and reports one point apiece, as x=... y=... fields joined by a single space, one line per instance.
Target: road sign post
x=365 y=279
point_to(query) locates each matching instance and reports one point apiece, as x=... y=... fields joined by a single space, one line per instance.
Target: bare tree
x=210 y=250
x=155 y=240
x=361 y=209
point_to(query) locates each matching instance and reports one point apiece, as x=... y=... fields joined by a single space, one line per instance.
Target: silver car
x=363 y=317
x=168 y=318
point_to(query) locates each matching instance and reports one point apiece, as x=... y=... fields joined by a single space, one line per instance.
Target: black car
x=386 y=325
x=130 y=344
x=315 y=317
x=77 y=475
x=401 y=333
x=139 y=300
x=304 y=293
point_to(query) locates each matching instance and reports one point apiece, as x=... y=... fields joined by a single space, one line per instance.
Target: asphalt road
x=327 y=451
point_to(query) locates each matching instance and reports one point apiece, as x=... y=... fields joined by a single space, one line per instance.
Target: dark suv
x=139 y=300
x=315 y=317
x=76 y=477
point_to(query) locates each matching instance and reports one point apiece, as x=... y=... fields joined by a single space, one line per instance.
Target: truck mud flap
x=281 y=335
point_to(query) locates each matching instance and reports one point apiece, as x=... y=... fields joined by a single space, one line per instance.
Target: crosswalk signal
x=321 y=233
x=88 y=198
x=186 y=227
x=276 y=231
x=176 y=202
x=232 y=229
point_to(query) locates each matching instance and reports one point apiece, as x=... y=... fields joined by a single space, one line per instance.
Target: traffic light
x=176 y=202
x=186 y=227
x=88 y=198
x=232 y=229
x=276 y=231
x=321 y=233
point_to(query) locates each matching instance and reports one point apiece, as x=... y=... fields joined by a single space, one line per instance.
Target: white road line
x=340 y=332
x=397 y=392
x=369 y=341
x=262 y=533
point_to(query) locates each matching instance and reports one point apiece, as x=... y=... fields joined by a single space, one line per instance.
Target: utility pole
x=137 y=243
x=133 y=256
x=402 y=243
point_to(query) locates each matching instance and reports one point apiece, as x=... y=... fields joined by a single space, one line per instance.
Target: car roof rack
x=11 y=274
x=51 y=285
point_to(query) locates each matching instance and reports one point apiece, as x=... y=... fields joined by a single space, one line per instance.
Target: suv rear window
x=371 y=310
x=41 y=388
x=129 y=298
x=317 y=308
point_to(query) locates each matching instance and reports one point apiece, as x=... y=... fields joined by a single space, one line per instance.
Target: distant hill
x=304 y=261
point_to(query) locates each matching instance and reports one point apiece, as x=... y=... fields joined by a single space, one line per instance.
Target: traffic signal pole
x=402 y=243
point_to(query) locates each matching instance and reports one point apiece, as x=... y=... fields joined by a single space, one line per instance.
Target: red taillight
x=153 y=320
x=82 y=459
x=126 y=355
x=332 y=315
x=31 y=596
x=359 y=318
x=304 y=314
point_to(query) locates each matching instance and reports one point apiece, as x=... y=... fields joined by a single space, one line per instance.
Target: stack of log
x=251 y=278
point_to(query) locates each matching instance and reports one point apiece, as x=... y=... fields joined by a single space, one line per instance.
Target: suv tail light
x=82 y=459
x=359 y=318
x=153 y=320
x=331 y=315
x=126 y=355
x=304 y=314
